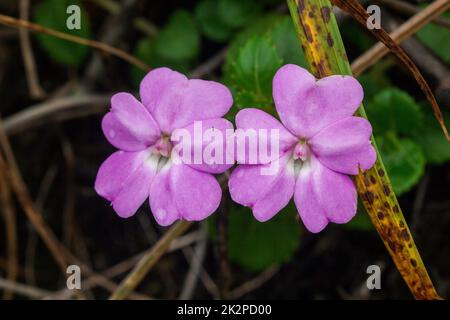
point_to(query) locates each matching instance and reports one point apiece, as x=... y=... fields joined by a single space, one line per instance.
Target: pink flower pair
x=320 y=143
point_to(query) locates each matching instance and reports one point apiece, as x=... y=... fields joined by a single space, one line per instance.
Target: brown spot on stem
x=391 y=245
x=325 y=14
x=386 y=190
x=373 y=180
x=380 y=215
x=405 y=235
x=381 y=172
x=414 y=263
x=370 y=197
x=330 y=40
x=301 y=5
x=308 y=33
x=396 y=209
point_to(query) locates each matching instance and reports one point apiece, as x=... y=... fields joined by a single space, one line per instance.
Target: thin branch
x=36 y=91
x=196 y=262
x=23 y=24
x=56 y=109
x=24 y=290
x=9 y=216
x=149 y=260
x=23 y=196
x=254 y=283
x=408 y=8
x=406 y=30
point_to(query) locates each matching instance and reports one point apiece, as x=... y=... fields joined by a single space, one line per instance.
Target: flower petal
x=158 y=85
x=322 y=195
x=129 y=126
x=345 y=146
x=197 y=194
x=266 y=193
x=264 y=127
x=124 y=179
x=306 y=106
x=203 y=145
x=162 y=197
x=175 y=102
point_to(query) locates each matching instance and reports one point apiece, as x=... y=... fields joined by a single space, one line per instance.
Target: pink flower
x=321 y=143
x=144 y=166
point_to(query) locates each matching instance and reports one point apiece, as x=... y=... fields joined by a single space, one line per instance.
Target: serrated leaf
x=437 y=38
x=52 y=14
x=394 y=110
x=257 y=245
x=252 y=72
x=430 y=137
x=404 y=160
x=272 y=37
x=179 y=40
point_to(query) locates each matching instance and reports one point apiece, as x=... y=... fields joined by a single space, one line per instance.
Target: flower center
x=302 y=151
x=163 y=146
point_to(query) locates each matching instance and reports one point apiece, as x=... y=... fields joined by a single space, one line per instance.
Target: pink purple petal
x=306 y=106
x=129 y=126
x=124 y=179
x=322 y=196
x=345 y=146
x=162 y=197
x=263 y=125
x=175 y=102
x=266 y=194
x=208 y=145
x=197 y=194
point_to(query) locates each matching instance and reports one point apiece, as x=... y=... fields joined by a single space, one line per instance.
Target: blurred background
x=53 y=94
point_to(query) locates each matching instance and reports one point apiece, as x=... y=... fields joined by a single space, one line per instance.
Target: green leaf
x=252 y=72
x=219 y=19
x=257 y=245
x=176 y=46
x=283 y=36
x=253 y=58
x=179 y=40
x=437 y=38
x=237 y=13
x=404 y=161
x=211 y=24
x=394 y=110
x=52 y=14
x=431 y=138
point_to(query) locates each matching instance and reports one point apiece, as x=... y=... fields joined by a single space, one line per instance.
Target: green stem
x=322 y=43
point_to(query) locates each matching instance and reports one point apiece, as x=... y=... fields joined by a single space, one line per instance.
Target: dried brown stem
x=23 y=24
x=408 y=8
x=9 y=216
x=149 y=260
x=36 y=91
x=389 y=44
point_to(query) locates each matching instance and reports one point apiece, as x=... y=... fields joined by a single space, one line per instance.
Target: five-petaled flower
x=145 y=167
x=321 y=143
